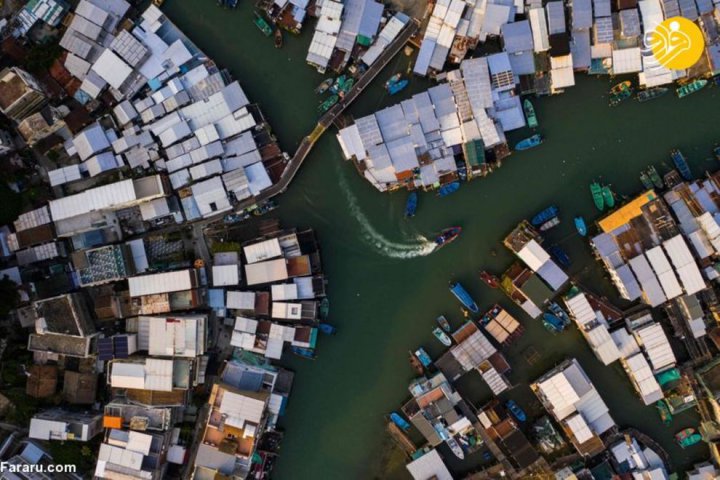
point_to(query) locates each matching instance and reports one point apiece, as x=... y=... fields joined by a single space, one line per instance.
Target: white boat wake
x=420 y=247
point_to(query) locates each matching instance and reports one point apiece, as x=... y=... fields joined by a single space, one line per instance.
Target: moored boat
x=559 y=254
x=558 y=311
x=597 y=194
x=608 y=196
x=464 y=297
x=397 y=86
x=398 y=420
x=530 y=115
x=515 y=409
x=490 y=280
x=553 y=323
x=327 y=329
x=443 y=322
x=580 y=226
x=324 y=308
x=553 y=222
x=447 y=236
x=262 y=24
x=338 y=83
x=393 y=79
x=455 y=448
x=716 y=152
x=448 y=189
x=423 y=356
x=681 y=164
x=528 y=143
x=411 y=204
x=278 y=38
x=304 y=352
x=655 y=177
x=664 y=412
x=327 y=104
x=692 y=87
x=324 y=85
x=544 y=216
x=416 y=364
x=687 y=437
x=651 y=94
x=646 y=180
x=442 y=336
x=620 y=92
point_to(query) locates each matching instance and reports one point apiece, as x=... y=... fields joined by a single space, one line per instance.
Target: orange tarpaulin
x=112 y=422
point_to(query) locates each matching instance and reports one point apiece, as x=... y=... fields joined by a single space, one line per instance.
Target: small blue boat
x=411 y=204
x=464 y=297
x=542 y=217
x=448 y=189
x=396 y=87
x=399 y=421
x=327 y=329
x=515 y=409
x=553 y=323
x=423 y=356
x=580 y=225
x=558 y=311
x=560 y=256
x=304 y=352
x=528 y=143
x=681 y=164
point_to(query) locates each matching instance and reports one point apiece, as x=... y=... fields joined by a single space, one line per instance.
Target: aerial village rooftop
x=160 y=344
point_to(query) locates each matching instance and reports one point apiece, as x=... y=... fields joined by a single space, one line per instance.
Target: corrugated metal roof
x=656 y=345
x=161 y=283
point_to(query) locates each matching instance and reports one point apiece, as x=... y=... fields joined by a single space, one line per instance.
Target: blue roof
x=422 y=63
x=372 y=14
x=154 y=84
x=517 y=36
x=581 y=14
x=580 y=49
x=216 y=298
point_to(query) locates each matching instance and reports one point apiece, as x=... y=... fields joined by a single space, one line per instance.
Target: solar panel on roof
x=121 y=347
x=105 y=348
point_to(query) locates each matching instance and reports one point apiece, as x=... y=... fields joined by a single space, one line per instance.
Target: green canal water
x=385 y=292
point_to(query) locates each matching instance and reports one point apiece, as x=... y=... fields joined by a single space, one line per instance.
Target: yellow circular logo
x=677 y=43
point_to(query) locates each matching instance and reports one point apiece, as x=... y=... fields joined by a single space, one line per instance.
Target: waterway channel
x=385 y=290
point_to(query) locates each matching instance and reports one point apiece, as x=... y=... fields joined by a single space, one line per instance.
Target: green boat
x=608 y=196
x=324 y=308
x=347 y=85
x=621 y=91
x=655 y=177
x=597 y=194
x=532 y=121
x=646 y=181
x=664 y=412
x=691 y=87
x=687 y=437
x=262 y=24
x=327 y=104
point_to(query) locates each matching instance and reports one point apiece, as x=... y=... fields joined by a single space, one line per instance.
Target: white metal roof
x=240 y=300
x=647 y=386
x=560 y=394
x=603 y=345
x=533 y=255
x=685 y=265
x=112 y=68
x=225 y=275
x=581 y=430
x=266 y=272
x=580 y=309
x=161 y=283
x=656 y=345
x=429 y=466
x=242 y=407
x=261 y=251
x=104 y=197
